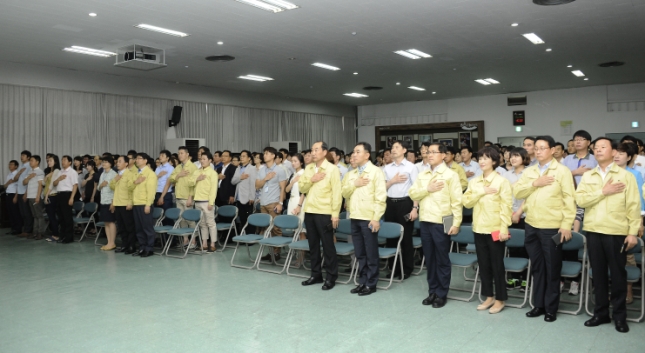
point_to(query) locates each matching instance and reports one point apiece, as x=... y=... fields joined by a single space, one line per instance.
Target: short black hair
x=335 y=150
x=225 y=151
x=166 y=152
x=218 y=153
x=366 y=146
x=271 y=150
x=612 y=143
x=403 y=144
x=530 y=138
x=14 y=162
x=132 y=153
x=546 y=138
x=208 y=155
x=69 y=159
x=184 y=148
x=143 y=155
x=442 y=147
x=90 y=163
x=629 y=148
x=110 y=160
x=582 y=133
x=248 y=153
x=301 y=159
x=466 y=147
x=389 y=149
x=490 y=152
x=126 y=159
x=26 y=153
x=521 y=152
x=306 y=151
x=286 y=151
x=36 y=157
x=487 y=142
x=559 y=144
x=426 y=143
x=451 y=149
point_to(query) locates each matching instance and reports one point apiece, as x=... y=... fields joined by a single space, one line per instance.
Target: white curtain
x=63 y=122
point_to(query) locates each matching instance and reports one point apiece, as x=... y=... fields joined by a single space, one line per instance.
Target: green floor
x=76 y=298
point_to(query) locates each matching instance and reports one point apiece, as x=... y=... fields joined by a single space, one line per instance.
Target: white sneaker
x=561 y=286
x=575 y=287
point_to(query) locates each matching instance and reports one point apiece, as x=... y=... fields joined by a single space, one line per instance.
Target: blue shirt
x=573 y=162
x=543 y=168
x=473 y=167
x=639 y=181
x=23 y=188
x=161 y=181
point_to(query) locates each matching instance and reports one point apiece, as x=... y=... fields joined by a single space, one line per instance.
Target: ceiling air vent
x=551 y=2
x=516 y=101
x=372 y=88
x=612 y=64
x=220 y=58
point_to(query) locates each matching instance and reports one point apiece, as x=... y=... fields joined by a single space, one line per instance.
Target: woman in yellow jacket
x=491 y=197
x=205 y=181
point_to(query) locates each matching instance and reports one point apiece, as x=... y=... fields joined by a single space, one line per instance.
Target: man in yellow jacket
x=609 y=194
x=439 y=194
x=550 y=210
x=184 y=191
x=122 y=203
x=144 y=187
x=321 y=183
x=366 y=186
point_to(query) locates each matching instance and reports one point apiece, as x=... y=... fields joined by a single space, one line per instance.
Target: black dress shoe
x=429 y=300
x=367 y=291
x=597 y=321
x=549 y=317
x=120 y=249
x=439 y=303
x=358 y=289
x=65 y=241
x=536 y=312
x=621 y=326
x=129 y=251
x=147 y=254
x=139 y=253
x=312 y=280
x=328 y=285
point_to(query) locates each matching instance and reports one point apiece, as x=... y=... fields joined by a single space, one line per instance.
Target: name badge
x=266 y=188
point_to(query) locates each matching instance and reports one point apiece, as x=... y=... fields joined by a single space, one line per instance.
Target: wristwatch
x=416 y=207
x=299 y=205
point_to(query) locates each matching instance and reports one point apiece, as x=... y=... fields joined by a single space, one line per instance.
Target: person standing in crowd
x=571 y=147
x=550 y=210
x=450 y=163
x=122 y=205
x=335 y=154
x=400 y=175
x=321 y=183
x=529 y=145
x=366 y=184
x=226 y=192
x=235 y=160
x=144 y=185
x=51 y=197
x=66 y=185
x=244 y=181
x=387 y=156
x=33 y=181
x=204 y=181
x=11 y=188
x=411 y=156
x=184 y=191
x=559 y=152
x=640 y=159
x=471 y=167
x=217 y=159
x=306 y=154
x=297 y=200
x=163 y=196
x=286 y=158
x=425 y=161
x=88 y=182
x=272 y=180
x=25 y=210
x=609 y=195
x=107 y=198
x=492 y=199
x=439 y=194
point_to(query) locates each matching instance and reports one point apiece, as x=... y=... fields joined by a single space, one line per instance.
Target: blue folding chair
x=465 y=261
x=228 y=211
x=389 y=230
x=91 y=208
x=573 y=269
x=190 y=216
x=257 y=220
x=418 y=246
x=344 y=230
x=516 y=265
x=282 y=222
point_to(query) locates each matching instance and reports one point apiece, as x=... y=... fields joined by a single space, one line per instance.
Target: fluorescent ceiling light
x=325 y=66
x=398 y=83
x=434 y=92
x=533 y=38
x=92 y=14
x=490 y=80
x=355 y=73
x=419 y=53
x=548 y=49
x=89 y=51
x=407 y=55
x=417 y=88
x=256 y=78
x=274 y=6
x=220 y=43
x=514 y=24
x=586 y=78
x=569 y=65
x=356 y=95
x=161 y=30
x=483 y=82
x=578 y=73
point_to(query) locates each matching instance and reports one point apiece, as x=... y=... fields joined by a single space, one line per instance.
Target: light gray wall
x=597 y=109
x=51 y=77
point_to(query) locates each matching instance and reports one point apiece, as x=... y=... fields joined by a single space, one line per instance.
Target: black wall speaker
x=176 y=115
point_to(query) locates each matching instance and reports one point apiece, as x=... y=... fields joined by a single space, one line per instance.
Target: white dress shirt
x=67 y=184
x=13 y=187
x=472 y=167
x=404 y=168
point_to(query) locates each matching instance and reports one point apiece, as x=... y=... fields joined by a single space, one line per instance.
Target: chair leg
x=423 y=260
x=98 y=235
x=351 y=272
x=250 y=258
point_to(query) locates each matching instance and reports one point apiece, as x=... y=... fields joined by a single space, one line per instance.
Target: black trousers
x=52 y=213
x=145 y=228
x=25 y=214
x=366 y=252
x=436 y=249
x=319 y=228
x=604 y=255
x=125 y=226
x=167 y=203
x=14 y=214
x=66 y=216
x=490 y=257
x=395 y=211
x=546 y=265
x=244 y=210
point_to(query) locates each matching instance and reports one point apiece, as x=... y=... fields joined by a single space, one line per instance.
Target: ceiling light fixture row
x=161 y=30
x=533 y=38
x=89 y=51
x=274 y=6
x=487 y=81
x=356 y=95
x=325 y=66
x=413 y=54
x=256 y=78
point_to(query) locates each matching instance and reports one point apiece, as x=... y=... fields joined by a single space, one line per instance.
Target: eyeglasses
x=433 y=152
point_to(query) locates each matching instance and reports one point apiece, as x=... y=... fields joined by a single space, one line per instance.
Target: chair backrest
x=344 y=226
x=638 y=248
x=227 y=211
x=517 y=238
x=576 y=242
x=157 y=212
x=173 y=213
x=259 y=220
x=257 y=207
x=342 y=215
x=417 y=224
x=192 y=215
x=286 y=222
x=78 y=206
x=90 y=207
x=390 y=230
x=465 y=235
